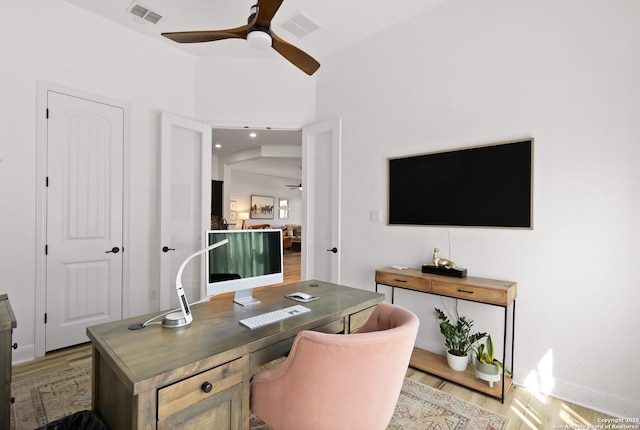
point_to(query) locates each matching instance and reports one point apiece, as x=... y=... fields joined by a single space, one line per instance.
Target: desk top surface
x=215 y=336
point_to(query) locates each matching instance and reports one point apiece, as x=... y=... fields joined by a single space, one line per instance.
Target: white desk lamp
x=183 y=317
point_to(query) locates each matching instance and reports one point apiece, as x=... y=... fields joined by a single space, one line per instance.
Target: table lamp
x=244 y=216
x=183 y=317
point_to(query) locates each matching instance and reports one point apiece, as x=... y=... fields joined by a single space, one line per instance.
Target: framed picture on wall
x=233 y=205
x=262 y=207
x=233 y=216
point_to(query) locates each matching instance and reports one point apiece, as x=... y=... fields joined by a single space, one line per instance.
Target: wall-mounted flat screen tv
x=485 y=186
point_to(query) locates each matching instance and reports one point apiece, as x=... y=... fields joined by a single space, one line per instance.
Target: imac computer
x=251 y=258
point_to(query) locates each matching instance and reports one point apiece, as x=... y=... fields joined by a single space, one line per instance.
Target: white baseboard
x=570 y=392
x=588 y=398
x=23 y=353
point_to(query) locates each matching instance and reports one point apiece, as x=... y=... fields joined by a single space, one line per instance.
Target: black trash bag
x=83 y=420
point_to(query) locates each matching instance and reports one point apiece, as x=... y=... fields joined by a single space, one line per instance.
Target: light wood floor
x=525 y=409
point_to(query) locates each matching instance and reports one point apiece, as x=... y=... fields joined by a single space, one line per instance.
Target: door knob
x=115 y=250
x=334 y=250
x=167 y=249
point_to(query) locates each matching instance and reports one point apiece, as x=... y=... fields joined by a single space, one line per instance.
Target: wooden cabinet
x=7 y=324
x=480 y=290
x=211 y=399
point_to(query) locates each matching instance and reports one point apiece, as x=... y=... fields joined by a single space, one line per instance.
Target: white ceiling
x=235 y=141
x=342 y=24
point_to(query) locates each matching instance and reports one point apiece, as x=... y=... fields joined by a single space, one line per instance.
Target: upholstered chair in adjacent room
x=337 y=381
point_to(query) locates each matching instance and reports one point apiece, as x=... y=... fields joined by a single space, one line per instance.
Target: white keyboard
x=275 y=316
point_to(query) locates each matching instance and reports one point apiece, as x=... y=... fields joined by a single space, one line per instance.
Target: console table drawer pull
x=400 y=280
x=465 y=291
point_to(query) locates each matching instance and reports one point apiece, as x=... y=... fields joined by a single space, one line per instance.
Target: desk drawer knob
x=206 y=387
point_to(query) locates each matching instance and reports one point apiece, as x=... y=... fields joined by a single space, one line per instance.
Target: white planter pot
x=487 y=372
x=456 y=362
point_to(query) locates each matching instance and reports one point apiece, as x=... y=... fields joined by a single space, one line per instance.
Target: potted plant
x=487 y=366
x=458 y=340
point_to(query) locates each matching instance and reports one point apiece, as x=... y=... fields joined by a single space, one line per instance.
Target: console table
x=198 y=376
x=487 y=291
x=7 y=324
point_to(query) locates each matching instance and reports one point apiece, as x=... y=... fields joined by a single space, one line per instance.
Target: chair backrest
x=331 y=381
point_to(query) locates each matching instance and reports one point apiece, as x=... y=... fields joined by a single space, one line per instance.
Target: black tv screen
x=488 y=186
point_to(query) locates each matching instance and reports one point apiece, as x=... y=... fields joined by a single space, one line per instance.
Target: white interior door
x=84 y=226
x=321 y=147
x=185 y=205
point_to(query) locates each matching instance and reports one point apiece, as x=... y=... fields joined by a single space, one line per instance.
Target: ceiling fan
x=257 y=32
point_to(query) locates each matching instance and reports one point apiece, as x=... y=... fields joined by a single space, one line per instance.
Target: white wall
x=52 y=41
x=238 y=92
x=244 y=184
x=476 y=72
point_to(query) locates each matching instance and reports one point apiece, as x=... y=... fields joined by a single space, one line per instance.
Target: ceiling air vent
x=300 y=24
x=145 y=13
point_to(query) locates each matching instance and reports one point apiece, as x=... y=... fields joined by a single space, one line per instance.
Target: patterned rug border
x=29 y=410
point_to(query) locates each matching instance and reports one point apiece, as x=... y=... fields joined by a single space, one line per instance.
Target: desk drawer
x=409 y=281
x=358 y=319
x=471 y=292
x=187 y=392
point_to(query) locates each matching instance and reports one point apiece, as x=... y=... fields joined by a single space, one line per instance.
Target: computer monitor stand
x=245 y=298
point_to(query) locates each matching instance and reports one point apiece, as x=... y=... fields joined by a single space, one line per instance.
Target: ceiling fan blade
x=296 y=56
x=266 y=11
x=208 y=35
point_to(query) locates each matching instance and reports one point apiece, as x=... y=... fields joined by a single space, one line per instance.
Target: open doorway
x=319 y=187
x=262 y=165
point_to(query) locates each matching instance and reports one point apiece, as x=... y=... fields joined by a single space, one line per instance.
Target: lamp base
x=175 y=320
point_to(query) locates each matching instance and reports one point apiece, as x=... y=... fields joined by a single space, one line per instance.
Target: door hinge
x=45 y=318
x=47 y=113
x=46 y=250
x=46 y=181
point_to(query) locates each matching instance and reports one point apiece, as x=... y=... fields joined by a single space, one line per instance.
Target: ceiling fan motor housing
x=259 y=37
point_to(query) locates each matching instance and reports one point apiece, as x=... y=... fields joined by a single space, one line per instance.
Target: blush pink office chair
x=337 y=381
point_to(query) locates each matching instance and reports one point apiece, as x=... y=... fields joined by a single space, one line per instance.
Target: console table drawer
x=190 y=391
x=408 y=279
x=476 y=293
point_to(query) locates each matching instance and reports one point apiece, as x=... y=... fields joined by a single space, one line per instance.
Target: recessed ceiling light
x=217 y=145
x=252 y=134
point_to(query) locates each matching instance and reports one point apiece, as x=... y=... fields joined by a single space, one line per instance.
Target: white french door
x=185 y=205
x=321 y=197
x=84 y=217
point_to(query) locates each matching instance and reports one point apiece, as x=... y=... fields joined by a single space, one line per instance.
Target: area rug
x=420 y=407
x=40 y=401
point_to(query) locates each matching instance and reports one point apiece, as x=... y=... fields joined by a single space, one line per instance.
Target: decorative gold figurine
x=442 y=262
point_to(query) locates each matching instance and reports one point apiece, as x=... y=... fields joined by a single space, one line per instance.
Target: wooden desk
x=487 y=291
x=160 y=378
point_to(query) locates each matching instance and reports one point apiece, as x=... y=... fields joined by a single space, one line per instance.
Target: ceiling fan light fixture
x=259 y=39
